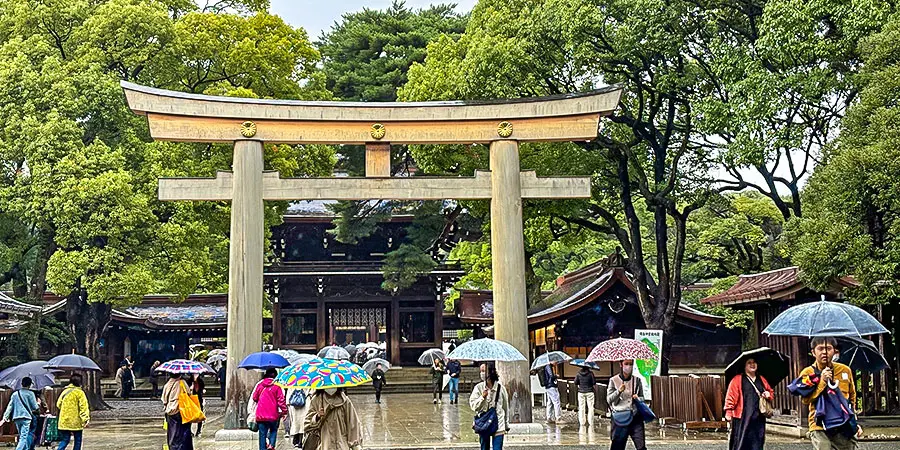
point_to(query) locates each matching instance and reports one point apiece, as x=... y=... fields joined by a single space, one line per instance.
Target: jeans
x=268 y=431
x=454 y=389
x=495 y=441
x=23 y=426
x=635 y=430
x=554 y=410
x=586 y=408
x=65 y=435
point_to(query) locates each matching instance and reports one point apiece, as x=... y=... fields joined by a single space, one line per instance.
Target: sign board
x=652 y=367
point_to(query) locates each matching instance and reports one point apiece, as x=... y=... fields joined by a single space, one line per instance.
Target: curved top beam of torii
x=178 y=116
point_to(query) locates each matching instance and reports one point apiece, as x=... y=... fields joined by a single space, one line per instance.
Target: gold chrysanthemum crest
x=377 y=131
x=505 y=129
x=248 y=129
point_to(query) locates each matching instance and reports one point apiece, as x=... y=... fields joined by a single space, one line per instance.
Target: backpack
x=298 y=399
x=542 y=377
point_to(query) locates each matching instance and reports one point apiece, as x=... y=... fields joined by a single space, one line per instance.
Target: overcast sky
x=316 y=16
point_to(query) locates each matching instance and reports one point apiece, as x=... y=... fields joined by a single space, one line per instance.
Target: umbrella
x=770 y=364
x=291 y=356
x=367 y=345
x=184 y=366
x=72 y=362
x=321 y=373
x=549 y=358
x=580 y=362
x=263 y=361
x=620 y=349
x=11 y=377
x=218 y=351
x=428 y=356
x=861 y=355
x=351 y=349
x=487 y=349
x=825 y=319
x=333 y=352
x=369 y=366
x=216 y=360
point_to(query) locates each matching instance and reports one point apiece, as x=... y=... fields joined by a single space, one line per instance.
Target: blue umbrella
x=263 y=361
x=11 y=377
x=580 y=362
x=825 y=319
x=72 y=362
x=486 y=349
x=861 y=355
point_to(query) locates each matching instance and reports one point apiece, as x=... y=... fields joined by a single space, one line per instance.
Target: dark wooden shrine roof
x=779 y=284
x=573 y=292
x=161 y=312
x=9 y=305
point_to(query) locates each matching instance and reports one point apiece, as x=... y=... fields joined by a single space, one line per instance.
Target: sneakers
x=434 y=401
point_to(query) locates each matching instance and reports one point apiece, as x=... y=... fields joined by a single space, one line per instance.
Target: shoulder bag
x=189 y=406
x=487 y=423
x=312 y=438
x=765 y=407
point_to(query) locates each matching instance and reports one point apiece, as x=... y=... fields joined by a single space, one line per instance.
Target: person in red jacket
x=270 y=409
x=748 y=426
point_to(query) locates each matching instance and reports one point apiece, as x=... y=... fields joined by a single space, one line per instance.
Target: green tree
x=851 y=221
x=78 y=170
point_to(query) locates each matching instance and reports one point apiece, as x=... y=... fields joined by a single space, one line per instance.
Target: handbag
x=251 y=412
x=765 y=407
x=487 y=423
x=189 y=407
x=312 y=438
x=644 y=411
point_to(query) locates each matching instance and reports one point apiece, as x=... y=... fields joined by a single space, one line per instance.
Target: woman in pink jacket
x=270 y=409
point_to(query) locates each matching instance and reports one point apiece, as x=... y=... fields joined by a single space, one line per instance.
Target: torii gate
x=250 y=123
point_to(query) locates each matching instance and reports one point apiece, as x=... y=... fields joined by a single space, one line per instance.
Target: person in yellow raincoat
x=74 y=413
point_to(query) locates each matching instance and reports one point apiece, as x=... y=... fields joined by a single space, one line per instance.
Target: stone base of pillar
x=236 y=435
x=524 y=429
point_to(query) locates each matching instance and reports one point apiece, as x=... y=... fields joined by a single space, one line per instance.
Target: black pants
x=179 y=434
x=437 y=390
x=297 y=440
x=378 y=394
x=154 y=385
x=620 y=437
x=200 y=424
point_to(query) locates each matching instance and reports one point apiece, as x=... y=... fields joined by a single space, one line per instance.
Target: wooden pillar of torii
x=249 y=123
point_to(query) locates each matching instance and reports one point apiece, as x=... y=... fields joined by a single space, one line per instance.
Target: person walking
x=270 y=409
x=221 y=376
x=437 y=381
x=154 y=379
x=549 y=382
x=198 y=388
x=127 y=379
x=748 y=426
x=74 y=414
x=623 y=390
x=454 y=368
x=21 y=411
x=825 y=375
x=297 y=409
x=585 y=382
x=120 y=376
x=378 y=381
x=490 y=394
x=178 y=435
x=333 y=416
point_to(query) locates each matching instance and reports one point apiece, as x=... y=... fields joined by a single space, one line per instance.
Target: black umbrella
x=771 y=365
x=861 y=355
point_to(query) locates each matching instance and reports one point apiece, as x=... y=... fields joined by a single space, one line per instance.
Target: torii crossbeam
x=250 y=123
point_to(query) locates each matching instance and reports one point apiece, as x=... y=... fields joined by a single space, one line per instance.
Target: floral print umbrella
x=620 y=349
x=184 y=366
x=321 y=373
x=486 y=349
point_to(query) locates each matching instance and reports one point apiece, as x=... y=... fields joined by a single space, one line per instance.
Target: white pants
x=586 y=408
x=554 y=411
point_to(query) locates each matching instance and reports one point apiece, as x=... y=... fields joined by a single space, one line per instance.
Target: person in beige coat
x=332 y=412
x=487 y=394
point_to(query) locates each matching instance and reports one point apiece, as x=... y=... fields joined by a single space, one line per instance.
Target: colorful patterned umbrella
x=620 y=349
x=184 y=366
x=333 y=352
x=321 y=373
x=487 y=349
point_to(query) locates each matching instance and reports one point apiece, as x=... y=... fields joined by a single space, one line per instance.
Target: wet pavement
x=404 y=421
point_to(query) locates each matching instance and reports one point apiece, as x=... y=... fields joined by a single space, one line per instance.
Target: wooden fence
x=689 y=399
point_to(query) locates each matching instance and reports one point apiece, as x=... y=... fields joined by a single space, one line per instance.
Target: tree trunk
x=532 y=282
x=87 y=323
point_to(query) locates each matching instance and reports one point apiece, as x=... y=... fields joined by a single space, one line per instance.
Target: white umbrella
x=369 y=366
x=550 y=358
x=486 y=350
x=428 y=356
x=291 y=355
x=333 y=352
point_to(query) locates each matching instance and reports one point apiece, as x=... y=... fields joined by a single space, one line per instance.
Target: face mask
x=627 y=370
x=483 y=376
x=331 y=391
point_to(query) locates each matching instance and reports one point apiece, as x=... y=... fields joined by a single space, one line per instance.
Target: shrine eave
x=179 y=116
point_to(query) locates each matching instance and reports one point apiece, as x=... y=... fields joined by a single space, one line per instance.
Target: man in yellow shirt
x=830 y=372
x=74 y=413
